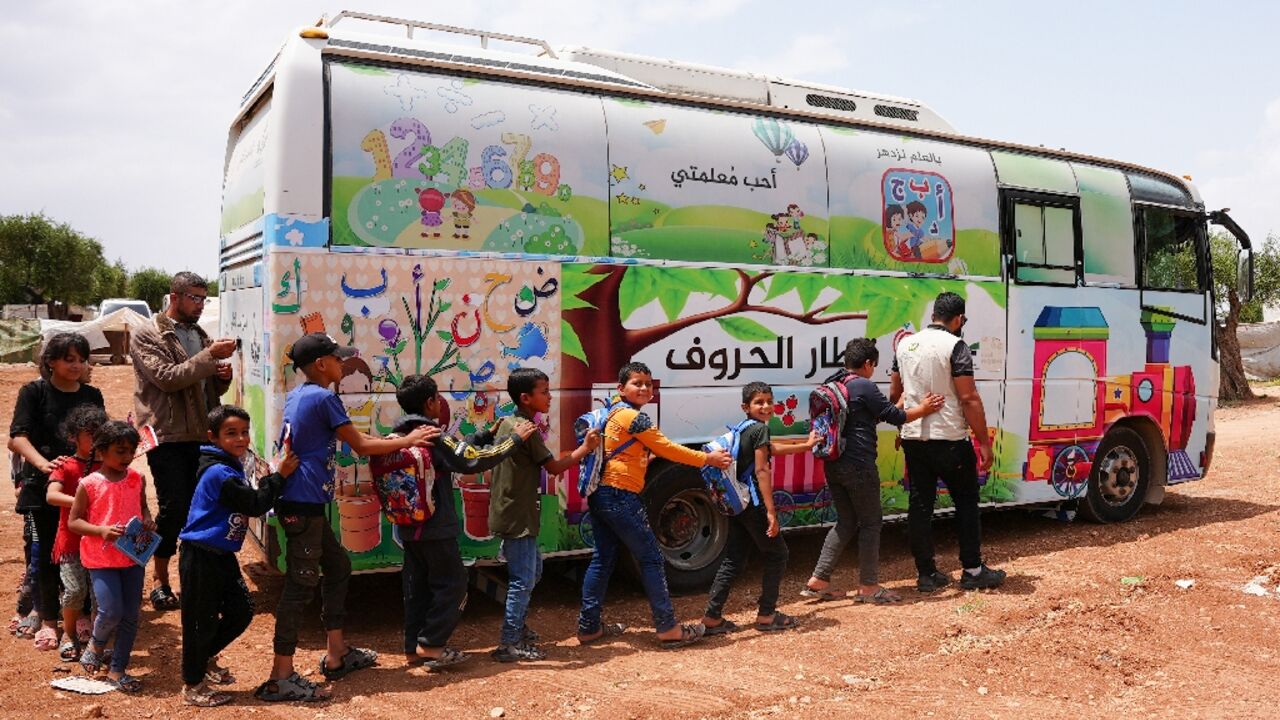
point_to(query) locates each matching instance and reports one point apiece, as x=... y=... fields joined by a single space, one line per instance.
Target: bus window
x=1106 y=224
x=709 y=186
x=1170 y=259
x=244 y=182
x=1044 y=243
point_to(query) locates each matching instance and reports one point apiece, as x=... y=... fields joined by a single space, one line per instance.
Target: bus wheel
x=1119 y=479
x=690 y=530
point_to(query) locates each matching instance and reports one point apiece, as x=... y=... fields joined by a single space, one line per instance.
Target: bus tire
x=1119 y=478
x=691 y=532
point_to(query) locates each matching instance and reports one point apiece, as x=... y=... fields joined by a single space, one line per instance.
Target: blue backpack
x=591 y=469
x=732 y=489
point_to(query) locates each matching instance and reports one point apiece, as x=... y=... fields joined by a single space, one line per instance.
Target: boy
x=514 y=509
x=758 y=524
x=317 y=420
x=433 y=577
x=216 y=608
x=618 y=515
x=854 y=480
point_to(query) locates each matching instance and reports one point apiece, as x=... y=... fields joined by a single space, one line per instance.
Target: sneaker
x=516 y=653
x=986 y=578
x=933 y=581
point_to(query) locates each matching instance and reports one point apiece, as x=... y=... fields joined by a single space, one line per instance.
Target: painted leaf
x=809 y=287
x=569 y=343
x=851 y=298
x=444 y=335
x=746 y=329
x=399 y=348
x=575 y=280
x=719 y=283
x=635 y=291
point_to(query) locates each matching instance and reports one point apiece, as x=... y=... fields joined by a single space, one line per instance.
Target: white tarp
x=1260 y=349
x=122 y=319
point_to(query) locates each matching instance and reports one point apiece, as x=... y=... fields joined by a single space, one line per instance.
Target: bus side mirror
x=1244 y=275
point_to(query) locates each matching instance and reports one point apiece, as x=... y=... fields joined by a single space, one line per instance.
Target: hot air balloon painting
x=797 y=152
x=775 y=135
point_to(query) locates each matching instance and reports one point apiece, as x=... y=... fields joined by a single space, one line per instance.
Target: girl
x=105 y=502
x=35 y=435
x=79 y=427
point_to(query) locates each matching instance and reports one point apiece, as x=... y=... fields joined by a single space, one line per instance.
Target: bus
x=463 y=203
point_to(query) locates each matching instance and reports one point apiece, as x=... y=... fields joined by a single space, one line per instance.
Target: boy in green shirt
x=514 y=508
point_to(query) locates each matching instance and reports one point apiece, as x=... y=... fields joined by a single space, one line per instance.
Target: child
x=105 y=502
x=758 y=524
x=514 y=511
x=916 y=214
x=618 y=515
x=854 y=481
x=79 y=427
x=433 y=577
x=318 y=421
x=216 y=607
x=35 y=435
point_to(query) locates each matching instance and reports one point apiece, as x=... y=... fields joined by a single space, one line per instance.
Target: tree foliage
x=42 y=261
x=150 y=285
x=1225 y=253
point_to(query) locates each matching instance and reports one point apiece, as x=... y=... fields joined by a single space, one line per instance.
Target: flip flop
x=448 y=656
x=883 y=596
x=607 y=631
x=689 y=634
x=823 y=595
x=781 y=621
x=46 y=639
x=352 y=660
x=724 y=628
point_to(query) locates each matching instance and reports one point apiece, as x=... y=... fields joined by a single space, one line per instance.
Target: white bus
x=454 y=209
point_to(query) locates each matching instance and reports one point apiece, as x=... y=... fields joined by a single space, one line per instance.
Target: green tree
x=42 y=261
x=110 y=281
x=1266 y=291
x=213 y=288
x=151 y=285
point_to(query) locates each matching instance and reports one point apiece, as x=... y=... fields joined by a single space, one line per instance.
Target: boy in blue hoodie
x=216 y=607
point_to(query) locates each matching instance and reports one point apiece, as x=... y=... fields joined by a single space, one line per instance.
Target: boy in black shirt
x=756 y=525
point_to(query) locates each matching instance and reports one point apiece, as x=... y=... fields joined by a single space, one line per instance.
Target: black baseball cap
x=310 y=348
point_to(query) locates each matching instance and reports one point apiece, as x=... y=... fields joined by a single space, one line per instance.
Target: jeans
x=118 y=592
x=855 y=491
x=746 y=530
x=311 y=552
x=174 y=468
x=434 y=582
x=955 y=462
x=216 y=607
x=619 y=519
x=524 y=570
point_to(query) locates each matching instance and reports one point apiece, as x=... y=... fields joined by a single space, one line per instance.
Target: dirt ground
x=1090 y=623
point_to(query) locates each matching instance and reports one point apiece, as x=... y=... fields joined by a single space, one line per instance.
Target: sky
x=114 y=116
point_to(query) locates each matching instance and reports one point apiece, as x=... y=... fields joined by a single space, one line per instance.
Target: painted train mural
x=475 y=227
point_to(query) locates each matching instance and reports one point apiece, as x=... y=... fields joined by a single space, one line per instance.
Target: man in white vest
x=936 y=360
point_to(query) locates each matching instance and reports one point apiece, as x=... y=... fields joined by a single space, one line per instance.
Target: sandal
x=823 y=595
x=448 y=656
x=125 y=683
x=69 y=651
x=84 y=630
x=724 y=628
x=530 y=635
x=607 y=630
x=46 y=639
x=883 y=596
x=91 y=661
x=204 y=696
x=27 y=627
x=218 y=675
x=352 y=660
x=291 y=688
x=689 y=634
x=162 y=598
x=781 y=621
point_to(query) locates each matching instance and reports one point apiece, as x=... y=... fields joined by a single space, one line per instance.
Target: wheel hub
x=1118 y=475
x=687 y=530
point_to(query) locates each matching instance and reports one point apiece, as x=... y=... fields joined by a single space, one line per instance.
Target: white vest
x=924 y=363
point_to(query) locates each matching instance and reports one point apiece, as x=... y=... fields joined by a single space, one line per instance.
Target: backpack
x=404 y=480
x=732 y=490
x=591 y=469
x=828 y=408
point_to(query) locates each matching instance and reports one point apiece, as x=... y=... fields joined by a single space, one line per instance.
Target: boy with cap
x=316 y=420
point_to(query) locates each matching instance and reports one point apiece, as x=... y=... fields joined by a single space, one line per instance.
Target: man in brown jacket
x=179 y=379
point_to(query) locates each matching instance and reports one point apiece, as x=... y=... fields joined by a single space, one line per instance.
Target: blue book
x=137 y=543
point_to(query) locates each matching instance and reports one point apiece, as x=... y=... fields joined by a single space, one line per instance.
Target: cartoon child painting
x=355 y=388
x=917 y=213
x=894 y=234
x=431 y=201
x=464 y=205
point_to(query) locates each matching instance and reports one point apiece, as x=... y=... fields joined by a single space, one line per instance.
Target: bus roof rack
x=410 y=25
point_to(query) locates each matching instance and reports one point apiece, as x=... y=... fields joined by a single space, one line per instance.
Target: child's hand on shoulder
x=423 y=435
x=288 y=463
x=719 y=458
x=524 y=429
x=110 y=532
